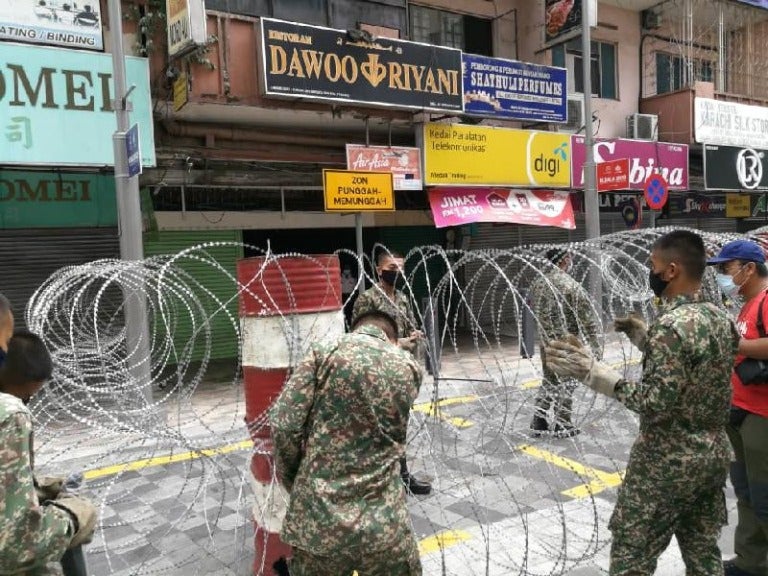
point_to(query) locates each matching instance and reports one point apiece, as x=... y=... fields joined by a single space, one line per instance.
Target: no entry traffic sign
x=656 y=191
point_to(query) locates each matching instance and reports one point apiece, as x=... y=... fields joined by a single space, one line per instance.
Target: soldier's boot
x=413 y=485
x=731 y=569
x=563 y=427
x=539 y=424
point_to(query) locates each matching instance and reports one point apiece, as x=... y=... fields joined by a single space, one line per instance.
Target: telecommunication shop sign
x=62 y=115
x=462 y=155
x=514 y=90
x=302 y=61
x=347 y=191
x=55 y=22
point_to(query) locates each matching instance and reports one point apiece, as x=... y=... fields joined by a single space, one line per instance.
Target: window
x=670 y=72
x=603 y=66
x=431 y=26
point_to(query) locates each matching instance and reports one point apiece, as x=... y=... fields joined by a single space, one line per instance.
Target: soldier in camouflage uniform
x=33 y=535
x=675 y=478
x=562 y=307
x=385 y=297
x=339 y=429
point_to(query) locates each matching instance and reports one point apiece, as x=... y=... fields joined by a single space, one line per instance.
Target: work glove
x=84 y=512
x=48 y=487
x=634 y=327
x=571 y=359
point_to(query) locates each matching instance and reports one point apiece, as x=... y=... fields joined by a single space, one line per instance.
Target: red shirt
x=752 y=398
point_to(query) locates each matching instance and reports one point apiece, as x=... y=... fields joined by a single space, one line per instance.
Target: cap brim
x=718 y=261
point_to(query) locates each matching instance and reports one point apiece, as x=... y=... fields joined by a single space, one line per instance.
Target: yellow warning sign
x=737 y=206
x=347 y=191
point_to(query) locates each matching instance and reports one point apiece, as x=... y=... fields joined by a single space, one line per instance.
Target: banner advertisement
x=562 y=20
x=62 y=115
x=54 y=22
x=698 y=205
x=457 y=154
x=613 y=175
x=730 y=124
x=645 y=158
x=459 y=206
x=302 y=61
x=56 y=200
x=404 y=163
x=514 y=90
x=733 y=168
x=187 y=25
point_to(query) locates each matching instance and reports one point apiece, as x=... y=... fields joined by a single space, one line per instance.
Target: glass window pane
x=558 y=56
x=662 y=73
x=608 y=72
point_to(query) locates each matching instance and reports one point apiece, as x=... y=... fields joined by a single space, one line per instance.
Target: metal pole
x=359 y=224
x=591 y=205
x=129 y=214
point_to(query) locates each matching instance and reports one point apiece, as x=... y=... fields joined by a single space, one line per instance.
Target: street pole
x=129 y=215
x=359 y=226
x=591 y=205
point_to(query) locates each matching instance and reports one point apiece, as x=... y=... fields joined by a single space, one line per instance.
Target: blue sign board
x=133 y=151
x=758 y=3
x=514 y=90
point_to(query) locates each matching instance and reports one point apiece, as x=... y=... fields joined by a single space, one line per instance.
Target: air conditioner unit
x=651 y=19
x=643 y=127
x=575 y=121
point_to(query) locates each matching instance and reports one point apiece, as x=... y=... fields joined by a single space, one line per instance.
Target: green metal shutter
x=224 y=339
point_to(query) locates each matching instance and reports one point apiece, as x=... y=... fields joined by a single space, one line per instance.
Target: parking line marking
x=435 y=409
x=442 y=540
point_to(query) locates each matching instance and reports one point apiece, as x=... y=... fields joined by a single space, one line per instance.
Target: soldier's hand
x=48 y=487
x=634 y=327
x=569 y=358
x=416 y=335
x=84 y=512
x=407 y=344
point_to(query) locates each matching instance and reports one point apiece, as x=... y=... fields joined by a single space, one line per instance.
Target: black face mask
x=657 y=284
x=390 y=277
x=2 y=356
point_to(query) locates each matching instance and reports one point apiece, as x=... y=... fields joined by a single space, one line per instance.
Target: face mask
x=727 y=285
x=657 y=284
x=389 y=277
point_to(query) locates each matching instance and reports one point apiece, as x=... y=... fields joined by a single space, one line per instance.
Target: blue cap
x=744 y=250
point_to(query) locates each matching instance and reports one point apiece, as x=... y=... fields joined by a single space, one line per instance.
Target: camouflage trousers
x=400 y=559
x=556 y=393
x=647 y=515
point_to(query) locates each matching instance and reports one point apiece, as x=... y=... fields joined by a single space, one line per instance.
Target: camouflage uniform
x=33 y=538
x=677 y=467
x=339 y=428
x=562 y=307
x=400 y=308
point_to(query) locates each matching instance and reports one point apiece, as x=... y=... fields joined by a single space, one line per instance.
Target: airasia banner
x=404 y=163
x=645 y=158
x=460 y=206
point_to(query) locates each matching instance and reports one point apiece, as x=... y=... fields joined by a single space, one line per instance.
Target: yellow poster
x=347 y=191
x=737 y=206
x=457 y=154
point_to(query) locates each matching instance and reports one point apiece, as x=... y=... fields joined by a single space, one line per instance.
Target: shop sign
x=459 y=206
x=302 y=61
x=457 y=154
x=730 y=124
x=61 y=114
x=615 y=201
x=645 y=158
x=54 y=22
x=347 y=191
x=514 y=90
x=737 y=205
x=698 y=205
x=404 y=163
x=563 y=19
x=613 y=175
x=733 y=168
x=187 y=26
x=180 y=92
x=56 y=200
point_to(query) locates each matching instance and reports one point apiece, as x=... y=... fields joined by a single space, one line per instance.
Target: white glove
x=573 y=359
x=634 y=327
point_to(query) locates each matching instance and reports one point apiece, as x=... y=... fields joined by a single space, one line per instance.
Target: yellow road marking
x=435 y=409
x=442 y=540
x=163 y=460
x=599 y=479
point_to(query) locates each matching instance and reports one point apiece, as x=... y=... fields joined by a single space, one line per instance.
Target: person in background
x=741 y=271
x=34 y=534
x=6 y=326
x=339 y=430
x=675 y=478
x=385 y=297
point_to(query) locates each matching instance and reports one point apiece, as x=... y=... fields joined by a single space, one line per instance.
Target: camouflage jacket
x=31 y=535
x=375 y=299
x=339 y=428
x=563 y=307
x=684 y=395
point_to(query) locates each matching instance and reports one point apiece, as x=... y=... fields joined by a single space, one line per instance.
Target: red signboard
x=613 y=175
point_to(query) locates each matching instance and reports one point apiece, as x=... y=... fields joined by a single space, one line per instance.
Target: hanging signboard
x=55 y=22
x=459 y=206
x=613 y=175
x=186 y=25
x=562 y=19
x=347 y=191
x=514 y=90
x=730 y=124
x=302 y=61
x=404 y=163
x=733 y=168
x=457 y=154
x=645 y=158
